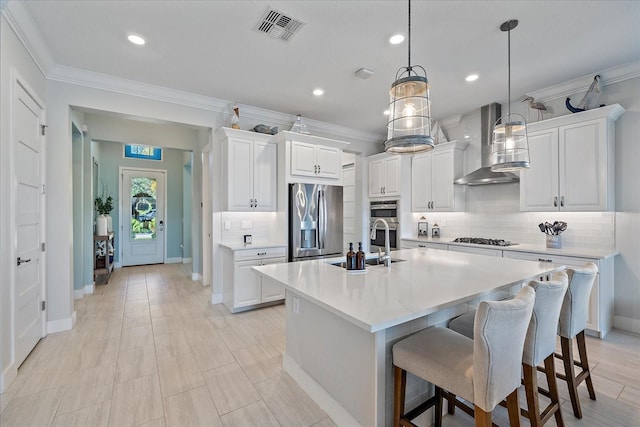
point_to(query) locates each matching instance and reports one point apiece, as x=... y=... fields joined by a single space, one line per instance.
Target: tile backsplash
x=594 y=230
x=265 y=227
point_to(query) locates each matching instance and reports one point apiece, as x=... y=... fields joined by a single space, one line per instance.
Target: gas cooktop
x=483 y=241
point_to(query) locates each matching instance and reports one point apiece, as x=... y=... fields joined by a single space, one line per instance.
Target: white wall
x=13 y=58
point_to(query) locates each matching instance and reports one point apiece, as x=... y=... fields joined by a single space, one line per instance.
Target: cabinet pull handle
x=422 y=246
x=22 y=261
x=261 y=253
x=562 y=201
x=255 y=203
x=319 y=168
x=555 y=202
x=545 y=260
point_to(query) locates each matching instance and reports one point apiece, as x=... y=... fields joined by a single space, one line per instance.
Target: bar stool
x=573 y=322
x=539 y=347
x=484 y=370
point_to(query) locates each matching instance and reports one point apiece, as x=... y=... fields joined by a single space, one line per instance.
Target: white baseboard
x=174 y=260
x=197 y=277
x=78 y=293
x=216 y=298
x=117 y=264
x=61 y=325
x=324 y=400
x=7 y=377
x=627 y=324
x=88 y=289
x=187 y=260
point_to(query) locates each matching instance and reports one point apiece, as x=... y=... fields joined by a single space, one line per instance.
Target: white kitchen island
x=340 y=326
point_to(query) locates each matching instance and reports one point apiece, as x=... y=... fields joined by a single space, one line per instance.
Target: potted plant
x=104 y=205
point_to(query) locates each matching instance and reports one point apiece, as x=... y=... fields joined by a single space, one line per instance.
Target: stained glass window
x=142 y=152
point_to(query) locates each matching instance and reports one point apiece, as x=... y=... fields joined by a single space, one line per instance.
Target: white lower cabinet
x=243 y=288
x=600 y=319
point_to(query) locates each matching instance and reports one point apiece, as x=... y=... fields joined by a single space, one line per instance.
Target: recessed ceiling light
x=318 y=92
x=386 y=112
x=396 y=38
x=136 y=39
x=472 y=77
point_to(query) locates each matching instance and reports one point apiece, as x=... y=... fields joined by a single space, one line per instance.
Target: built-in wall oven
x=387 y=210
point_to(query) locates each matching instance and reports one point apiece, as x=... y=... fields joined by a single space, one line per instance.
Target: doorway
x=142 y=216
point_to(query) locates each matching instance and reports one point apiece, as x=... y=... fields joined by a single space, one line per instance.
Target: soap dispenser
x=351 y=258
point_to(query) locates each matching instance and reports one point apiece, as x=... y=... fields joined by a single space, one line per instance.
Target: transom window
x=142 y=152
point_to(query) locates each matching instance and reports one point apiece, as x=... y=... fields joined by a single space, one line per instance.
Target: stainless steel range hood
x=489 y=114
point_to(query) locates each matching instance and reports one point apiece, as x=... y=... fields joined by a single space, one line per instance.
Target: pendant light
x=510 y=148
x=409 y=127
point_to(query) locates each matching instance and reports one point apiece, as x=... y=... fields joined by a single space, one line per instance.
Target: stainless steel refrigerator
x=315 y=221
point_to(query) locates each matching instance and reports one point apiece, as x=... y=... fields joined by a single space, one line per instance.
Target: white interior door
x=143 y=222
x=27 y=141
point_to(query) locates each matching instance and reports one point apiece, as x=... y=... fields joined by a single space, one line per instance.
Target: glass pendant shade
x=510 y=148
x=409 y=128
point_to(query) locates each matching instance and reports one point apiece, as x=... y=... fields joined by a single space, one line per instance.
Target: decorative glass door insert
x=143 y=208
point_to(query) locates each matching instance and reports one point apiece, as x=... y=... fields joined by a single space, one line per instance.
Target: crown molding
x=23 y=25
x=75 y=76
x=581 y=84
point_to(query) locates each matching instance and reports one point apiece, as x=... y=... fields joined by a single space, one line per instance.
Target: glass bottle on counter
x=351 y=258
x=360 y=257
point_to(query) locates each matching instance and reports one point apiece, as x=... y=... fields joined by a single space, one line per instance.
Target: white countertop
x=523 y=247
x=429 y=280
x=260 y=245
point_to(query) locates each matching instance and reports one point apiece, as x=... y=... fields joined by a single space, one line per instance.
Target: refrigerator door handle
x=322 y=219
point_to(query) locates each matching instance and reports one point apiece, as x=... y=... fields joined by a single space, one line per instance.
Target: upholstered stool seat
x=484 y=371
x=539 y=347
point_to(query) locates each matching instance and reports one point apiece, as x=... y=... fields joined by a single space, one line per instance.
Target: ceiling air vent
x=278 y=25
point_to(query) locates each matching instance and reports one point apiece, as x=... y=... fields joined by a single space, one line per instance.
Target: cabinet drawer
x=250 y=254
x=477 y=251
x=555 y=259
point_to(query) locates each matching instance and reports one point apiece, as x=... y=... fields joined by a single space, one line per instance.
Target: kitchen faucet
x=387 y=250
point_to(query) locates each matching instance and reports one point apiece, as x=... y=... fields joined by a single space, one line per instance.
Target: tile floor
x=149 y=349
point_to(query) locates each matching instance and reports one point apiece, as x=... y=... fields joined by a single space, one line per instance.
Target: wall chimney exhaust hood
x=488 y=116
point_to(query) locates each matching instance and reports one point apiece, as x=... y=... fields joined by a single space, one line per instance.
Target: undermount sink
x=370 y=261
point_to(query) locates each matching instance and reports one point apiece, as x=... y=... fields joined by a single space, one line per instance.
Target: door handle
x=161 y=226
x=22 y=261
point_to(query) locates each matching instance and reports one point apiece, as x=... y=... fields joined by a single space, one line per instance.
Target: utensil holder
x=554 y=241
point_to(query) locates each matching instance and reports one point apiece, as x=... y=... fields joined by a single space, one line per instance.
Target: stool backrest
x=575 y=307
x=499 y=332
x=540 y=341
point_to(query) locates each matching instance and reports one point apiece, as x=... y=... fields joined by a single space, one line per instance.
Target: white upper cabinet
x=571 y=163
x=315 y=160
x=251 y=171
x=312 y=159
x=432 y=176
x=384 y=176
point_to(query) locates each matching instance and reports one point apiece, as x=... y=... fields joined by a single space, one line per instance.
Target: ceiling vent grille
x=278 y=25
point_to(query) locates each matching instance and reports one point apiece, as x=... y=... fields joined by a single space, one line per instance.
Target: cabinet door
x=391 y=178
x=442 y=181
x=240 y=174
x=329 y=162
x=246 y=284
x=539 y=183
x=272 y=290
x=420 y=182
x=303 y=159
x=265 y=161
x=583 y=166
x=375 y=178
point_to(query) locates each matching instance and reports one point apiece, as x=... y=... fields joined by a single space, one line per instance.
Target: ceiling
x=211 y=48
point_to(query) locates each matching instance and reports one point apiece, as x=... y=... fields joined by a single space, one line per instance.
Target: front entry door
x=143 y=219
x=28 y=155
